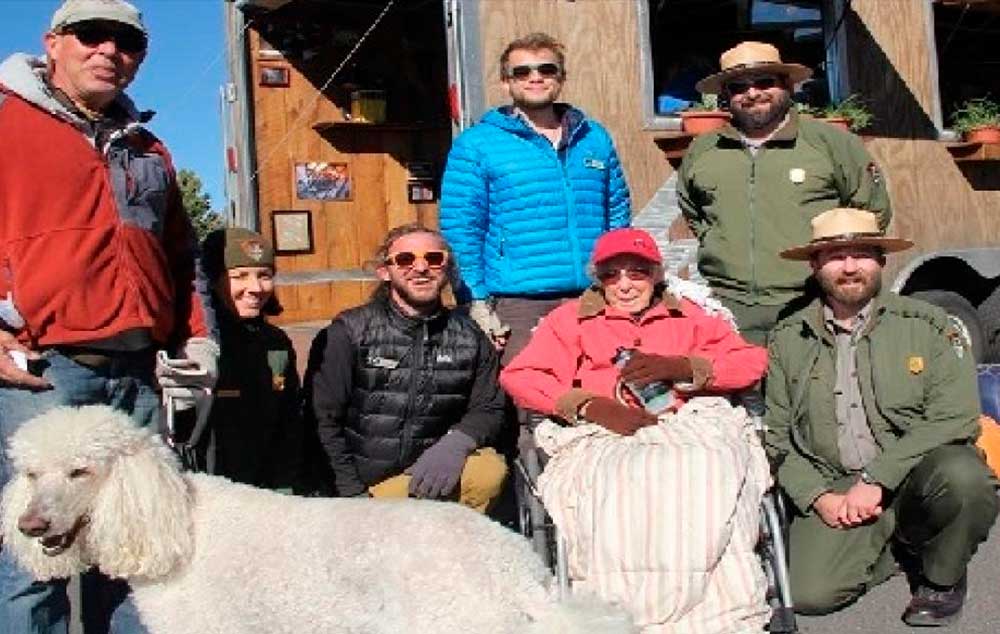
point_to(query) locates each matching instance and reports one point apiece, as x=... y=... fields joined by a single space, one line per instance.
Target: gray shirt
x=855 y=440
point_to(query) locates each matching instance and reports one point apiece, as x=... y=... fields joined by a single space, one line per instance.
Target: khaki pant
x=482 y=480
x=941 y=513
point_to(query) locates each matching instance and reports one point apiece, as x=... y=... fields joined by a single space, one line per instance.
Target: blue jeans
x=126 y=383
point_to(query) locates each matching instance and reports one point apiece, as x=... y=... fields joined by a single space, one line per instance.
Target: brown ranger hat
x=751 y=57
x=844 y=226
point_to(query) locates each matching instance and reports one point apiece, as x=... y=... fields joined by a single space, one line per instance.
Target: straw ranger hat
x=751 y=57
x=845 y=226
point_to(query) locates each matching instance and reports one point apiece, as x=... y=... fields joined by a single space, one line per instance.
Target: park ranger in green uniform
x=255 y=433
x=751 y=188
x=871 y=421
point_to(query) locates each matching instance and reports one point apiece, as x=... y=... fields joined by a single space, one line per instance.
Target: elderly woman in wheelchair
x=654 y=478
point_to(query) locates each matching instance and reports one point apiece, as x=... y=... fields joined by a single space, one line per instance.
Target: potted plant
x=978 y=120
x=850 y=114
x=704 y=116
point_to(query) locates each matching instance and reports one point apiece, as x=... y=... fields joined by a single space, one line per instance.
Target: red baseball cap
x=626 y=242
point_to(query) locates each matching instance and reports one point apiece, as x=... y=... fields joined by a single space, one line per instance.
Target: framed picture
x=323 y=181
x=292 y=231
x=275 y=76
x=421 y=191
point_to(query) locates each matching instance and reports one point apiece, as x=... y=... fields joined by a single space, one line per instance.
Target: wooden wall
x=938 y=203
x=345 y=233
x=604 y=66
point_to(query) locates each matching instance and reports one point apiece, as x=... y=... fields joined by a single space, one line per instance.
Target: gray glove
x=438 y=470
x=197 y=367
x=483 y=314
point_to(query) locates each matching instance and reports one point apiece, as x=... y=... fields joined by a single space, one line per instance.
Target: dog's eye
x=79 y=473
x=31 y=475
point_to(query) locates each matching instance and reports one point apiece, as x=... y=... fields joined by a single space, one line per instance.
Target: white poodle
x=204 y=555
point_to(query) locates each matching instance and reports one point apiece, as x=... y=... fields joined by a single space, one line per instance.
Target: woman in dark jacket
x=254 y=432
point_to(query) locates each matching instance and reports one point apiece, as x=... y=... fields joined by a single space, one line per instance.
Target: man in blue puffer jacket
x=525 y=195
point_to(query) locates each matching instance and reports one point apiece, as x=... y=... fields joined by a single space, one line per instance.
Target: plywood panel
x=892 y=64
x=604 y=67
x=933 y=202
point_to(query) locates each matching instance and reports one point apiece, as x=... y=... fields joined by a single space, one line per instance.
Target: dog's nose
x=32 y=525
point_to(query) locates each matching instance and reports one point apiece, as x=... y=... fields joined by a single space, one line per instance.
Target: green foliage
x=708 y=103
x=853 y=109
x=976 y=113
x=198 y=204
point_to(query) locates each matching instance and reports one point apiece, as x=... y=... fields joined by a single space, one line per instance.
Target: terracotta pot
x=983 y=134
x=839 y=122
x=699 y=121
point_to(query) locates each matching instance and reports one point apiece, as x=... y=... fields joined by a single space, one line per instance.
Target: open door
x=465 y=80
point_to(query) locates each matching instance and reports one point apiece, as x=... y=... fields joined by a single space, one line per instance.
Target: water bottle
x=656 y=396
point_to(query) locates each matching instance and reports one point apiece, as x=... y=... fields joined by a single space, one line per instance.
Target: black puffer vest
x=412 y=379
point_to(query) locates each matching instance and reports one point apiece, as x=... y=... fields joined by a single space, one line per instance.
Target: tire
x=989 y=317
x=960 y=308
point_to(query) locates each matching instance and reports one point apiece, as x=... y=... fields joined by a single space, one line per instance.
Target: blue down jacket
x=521 y=217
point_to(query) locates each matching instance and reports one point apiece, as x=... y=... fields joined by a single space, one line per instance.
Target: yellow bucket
x=368 y=106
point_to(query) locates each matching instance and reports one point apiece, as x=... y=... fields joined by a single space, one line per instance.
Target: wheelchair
x=772 y=547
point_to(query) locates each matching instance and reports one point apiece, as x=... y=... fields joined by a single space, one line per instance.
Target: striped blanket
x=664 y=522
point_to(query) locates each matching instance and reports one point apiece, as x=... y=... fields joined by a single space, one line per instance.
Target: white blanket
x=664 y=522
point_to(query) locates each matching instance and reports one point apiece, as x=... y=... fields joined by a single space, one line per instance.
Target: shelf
x=974 y=152
x=323 y=126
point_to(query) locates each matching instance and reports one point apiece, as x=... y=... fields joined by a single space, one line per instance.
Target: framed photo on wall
x=275 y=76
x=323 y=181
x=292 y=229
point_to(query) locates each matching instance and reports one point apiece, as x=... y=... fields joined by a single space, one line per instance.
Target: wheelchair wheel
x=773 y=552
x=534 y=521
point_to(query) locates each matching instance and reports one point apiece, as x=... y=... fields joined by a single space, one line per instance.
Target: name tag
x=593 y=163
x=444 y=358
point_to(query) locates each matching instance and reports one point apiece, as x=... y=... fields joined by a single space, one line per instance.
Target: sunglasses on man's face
x=740 y=86
x=93 y=34
x=545 y=69
x=634 y=273
x=406 y=259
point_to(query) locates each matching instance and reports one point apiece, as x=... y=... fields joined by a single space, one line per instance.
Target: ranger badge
x=915 y=364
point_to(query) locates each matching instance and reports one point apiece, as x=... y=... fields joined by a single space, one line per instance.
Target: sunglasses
x=93 y=34
x=545 y=69
x=740 y=86
x=634 y=273
x=406 y=259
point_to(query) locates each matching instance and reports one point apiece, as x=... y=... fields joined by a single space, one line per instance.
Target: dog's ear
x=141 y=518
x=27 y=551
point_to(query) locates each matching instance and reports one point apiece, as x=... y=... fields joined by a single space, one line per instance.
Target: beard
x=424 y=299
x=752 y=120
x=864 y=287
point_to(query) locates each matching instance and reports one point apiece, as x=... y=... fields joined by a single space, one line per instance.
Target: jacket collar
x=813 y=318
x=504 y=117
x=592 y=302
x=408 y=323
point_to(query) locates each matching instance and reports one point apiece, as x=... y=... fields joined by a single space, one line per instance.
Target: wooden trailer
x=341 y=113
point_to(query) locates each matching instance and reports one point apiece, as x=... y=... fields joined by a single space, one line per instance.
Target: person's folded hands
x=614 y=416
x=644 y=368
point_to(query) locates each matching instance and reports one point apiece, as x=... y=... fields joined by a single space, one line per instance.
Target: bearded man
x=872 y=411
x=751 y=188
x=404 y=391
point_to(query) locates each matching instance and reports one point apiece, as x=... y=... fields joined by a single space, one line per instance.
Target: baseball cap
x=74 y=11
x=626 y=242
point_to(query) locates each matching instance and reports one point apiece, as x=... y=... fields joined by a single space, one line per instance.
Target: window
x=968 y=59
x=686 y=37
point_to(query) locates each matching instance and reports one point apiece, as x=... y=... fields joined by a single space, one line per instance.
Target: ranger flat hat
x=751 y=57
x=844 y=226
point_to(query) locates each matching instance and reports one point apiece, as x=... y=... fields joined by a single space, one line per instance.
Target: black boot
x=935 y=606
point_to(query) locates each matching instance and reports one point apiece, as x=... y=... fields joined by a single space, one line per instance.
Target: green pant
x=941 y=513
x=755 y=321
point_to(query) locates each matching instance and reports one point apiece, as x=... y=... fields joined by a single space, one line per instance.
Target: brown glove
x=643 y=369
x=613 y=416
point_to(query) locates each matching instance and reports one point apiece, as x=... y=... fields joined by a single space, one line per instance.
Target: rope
x=292 y=128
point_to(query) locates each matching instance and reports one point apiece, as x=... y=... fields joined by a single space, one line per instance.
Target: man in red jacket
x=97 y=258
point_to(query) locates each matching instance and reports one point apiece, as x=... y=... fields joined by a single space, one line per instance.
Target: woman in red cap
x=656 y=492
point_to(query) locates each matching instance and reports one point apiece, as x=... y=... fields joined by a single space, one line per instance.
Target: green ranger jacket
x=745 y=208
x=918 y=386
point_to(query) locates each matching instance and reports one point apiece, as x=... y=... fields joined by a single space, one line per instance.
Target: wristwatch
x=867 y=478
